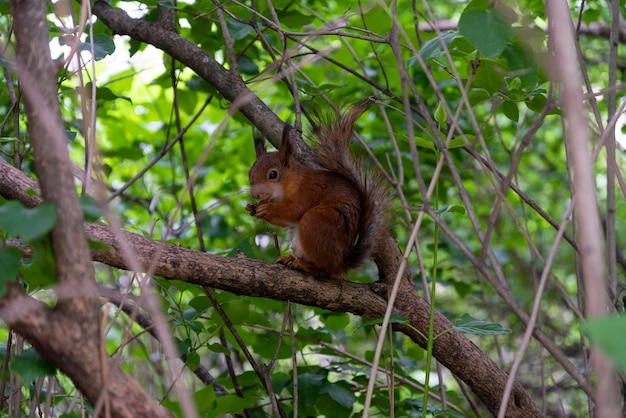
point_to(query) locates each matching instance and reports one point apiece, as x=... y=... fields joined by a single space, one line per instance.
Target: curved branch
x=67 y=336
x=51 y=332
x=247 y=277
x=230 y=85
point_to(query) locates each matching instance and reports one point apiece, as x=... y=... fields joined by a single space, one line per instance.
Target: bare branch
x=588 y=217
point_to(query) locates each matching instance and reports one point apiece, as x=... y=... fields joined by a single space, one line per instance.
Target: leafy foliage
x=607 y=333
x=474 y=119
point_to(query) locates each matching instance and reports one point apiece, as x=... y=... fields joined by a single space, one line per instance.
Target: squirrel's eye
x=273 y=174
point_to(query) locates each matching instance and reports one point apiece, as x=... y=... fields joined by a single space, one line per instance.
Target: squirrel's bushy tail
x=333 y=134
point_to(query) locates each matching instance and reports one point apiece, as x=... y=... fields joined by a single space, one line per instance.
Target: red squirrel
x=335 y=212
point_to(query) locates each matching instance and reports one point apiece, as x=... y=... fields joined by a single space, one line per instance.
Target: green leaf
x=489 y=75
x=200 y=303
x=451 y=209
x=335 y=321
x=477 y=95
x=103 y=45
x=486 y=29
x=127 y=153
x=340 y=393
x=433 y=48
x=309 y=385
x=440 y=114
x=9 y=262
x=237 y=310
x=106 y=94
x=30 y=365
x=205 y=400
x=470 y=325
x=232 y=404
x=238 y=30
x=511 y=110
x=461 y=47
x=28 y=224
x=519 y=61
x=91 y=209
x=393 y=319
x=609 y=333
x=10 y=258
x=70 y=134
x=424 y=143
x=182 y=346
x=459 y=142
x=591 y=15
x=247 y=66
x=218 y=348
x=294 y=19
x=536 y=102
x=40 y=271
x=192 y=360
x=320 y=334
x=265 y=345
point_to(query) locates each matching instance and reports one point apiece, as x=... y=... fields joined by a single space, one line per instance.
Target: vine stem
x=394 y=293
x=431 y=318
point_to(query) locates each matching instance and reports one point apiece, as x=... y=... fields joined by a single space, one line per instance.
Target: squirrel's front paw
x=260 y=210
x=251 y=207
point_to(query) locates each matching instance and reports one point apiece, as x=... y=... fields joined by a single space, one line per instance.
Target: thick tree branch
x=51 y=331
x=230 y=85
x=37 y=75
x=67 y=336
x=254 y=278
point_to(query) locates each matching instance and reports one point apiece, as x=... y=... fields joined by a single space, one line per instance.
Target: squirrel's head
x=271 y=169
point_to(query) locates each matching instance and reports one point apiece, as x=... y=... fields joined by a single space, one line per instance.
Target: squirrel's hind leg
x=298 y=260
x=324 y=242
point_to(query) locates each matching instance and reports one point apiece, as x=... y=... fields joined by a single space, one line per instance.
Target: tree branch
x=37 y=76
x=67 y=336
x=248 y=277
x=230 y=85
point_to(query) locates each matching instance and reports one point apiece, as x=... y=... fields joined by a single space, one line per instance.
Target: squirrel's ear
x=259 y=144
x=286 y=147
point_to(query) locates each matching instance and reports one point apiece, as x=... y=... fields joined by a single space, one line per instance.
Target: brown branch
x=248 y=277
x=578 y=140
x=68 y=335
x=230 y=85
x=51 y=331
x=37 y=75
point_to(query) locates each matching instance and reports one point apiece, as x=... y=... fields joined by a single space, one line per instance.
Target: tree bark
x=67 y=336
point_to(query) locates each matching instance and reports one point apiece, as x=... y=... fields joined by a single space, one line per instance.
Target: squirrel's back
x=332 y=136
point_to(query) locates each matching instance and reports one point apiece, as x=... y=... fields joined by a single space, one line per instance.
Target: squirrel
x=335 y=212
